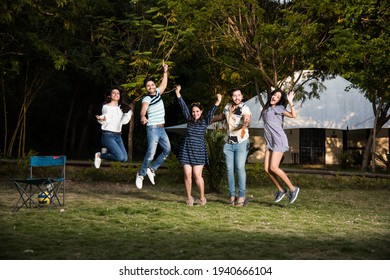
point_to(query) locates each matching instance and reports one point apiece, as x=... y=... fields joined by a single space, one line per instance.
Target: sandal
x=242 y=203
x=202 y=202
x=190 y=202
x=232 y=201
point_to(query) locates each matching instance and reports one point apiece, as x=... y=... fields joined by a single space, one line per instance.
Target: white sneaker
x=139 y=181
x=104 y=150
x=98 y=160
x=151 y=175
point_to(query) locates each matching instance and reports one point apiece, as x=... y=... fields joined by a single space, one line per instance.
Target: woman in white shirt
x=114 y=115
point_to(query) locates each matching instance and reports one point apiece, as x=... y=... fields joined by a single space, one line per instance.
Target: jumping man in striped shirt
x=153 y=116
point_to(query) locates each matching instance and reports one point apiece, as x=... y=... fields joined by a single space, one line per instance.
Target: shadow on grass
x=155 y=243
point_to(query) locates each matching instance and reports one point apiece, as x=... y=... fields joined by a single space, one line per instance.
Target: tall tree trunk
x=73 y=134
x=85 y=130
x=32 y=86
x=5 y=115
x=367 y=152
x=68 y=120
x=373 y=145
x=22 y=137
x=14 y=135
x=377 y=111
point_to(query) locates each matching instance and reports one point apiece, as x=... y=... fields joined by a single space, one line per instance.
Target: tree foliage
x=359 y=50
x=58 y=57
x=259 y=44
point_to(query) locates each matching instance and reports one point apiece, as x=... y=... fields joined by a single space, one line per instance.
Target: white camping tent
x=336 y=108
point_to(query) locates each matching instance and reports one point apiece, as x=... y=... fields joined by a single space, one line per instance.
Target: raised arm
x=219 y=99
x=182 y=103
x=293 y=112
x=164 y=81
x=210 y=115
x=177 y=91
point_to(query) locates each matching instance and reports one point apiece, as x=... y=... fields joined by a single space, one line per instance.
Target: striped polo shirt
x=156 y=111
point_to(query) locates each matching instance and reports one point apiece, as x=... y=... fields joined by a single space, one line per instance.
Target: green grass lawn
x=337 y=218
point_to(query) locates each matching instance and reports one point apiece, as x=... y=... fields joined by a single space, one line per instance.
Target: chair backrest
x=36 y=161
x=47 y=161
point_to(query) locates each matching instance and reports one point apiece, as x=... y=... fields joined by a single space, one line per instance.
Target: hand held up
x=177 y=90
x=219 y=99
x=165 y=66
x=290 y=96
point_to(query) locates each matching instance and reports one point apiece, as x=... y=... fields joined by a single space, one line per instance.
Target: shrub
x=344 y=160
x=215 y=172
x=255 y=173
x=174 y=166
x=356 y=158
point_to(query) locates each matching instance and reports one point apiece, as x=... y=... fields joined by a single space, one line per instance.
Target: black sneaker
x=279 y=195
x=294 y=194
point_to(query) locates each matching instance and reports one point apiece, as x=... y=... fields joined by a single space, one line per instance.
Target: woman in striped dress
x=193 y=150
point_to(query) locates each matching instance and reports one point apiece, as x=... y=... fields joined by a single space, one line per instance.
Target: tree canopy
x=57 y=58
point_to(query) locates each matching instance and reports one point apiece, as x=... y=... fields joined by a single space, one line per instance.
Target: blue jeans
x=156 y=135
x=115 y=148
x=235 y=156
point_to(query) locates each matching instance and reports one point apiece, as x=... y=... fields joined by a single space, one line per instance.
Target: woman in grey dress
x=276 y=141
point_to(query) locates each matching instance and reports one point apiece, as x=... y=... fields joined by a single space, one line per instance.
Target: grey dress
x=275 y=137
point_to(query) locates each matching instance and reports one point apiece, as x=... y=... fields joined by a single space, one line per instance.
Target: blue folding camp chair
x=45 y=190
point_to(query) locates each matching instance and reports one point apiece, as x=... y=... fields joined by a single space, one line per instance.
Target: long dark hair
x=282 y=101
x=122 y=102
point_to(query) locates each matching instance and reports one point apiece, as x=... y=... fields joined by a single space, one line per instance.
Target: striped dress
x=193 y=150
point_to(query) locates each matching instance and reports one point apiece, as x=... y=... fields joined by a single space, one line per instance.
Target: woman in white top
x=114 y=115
